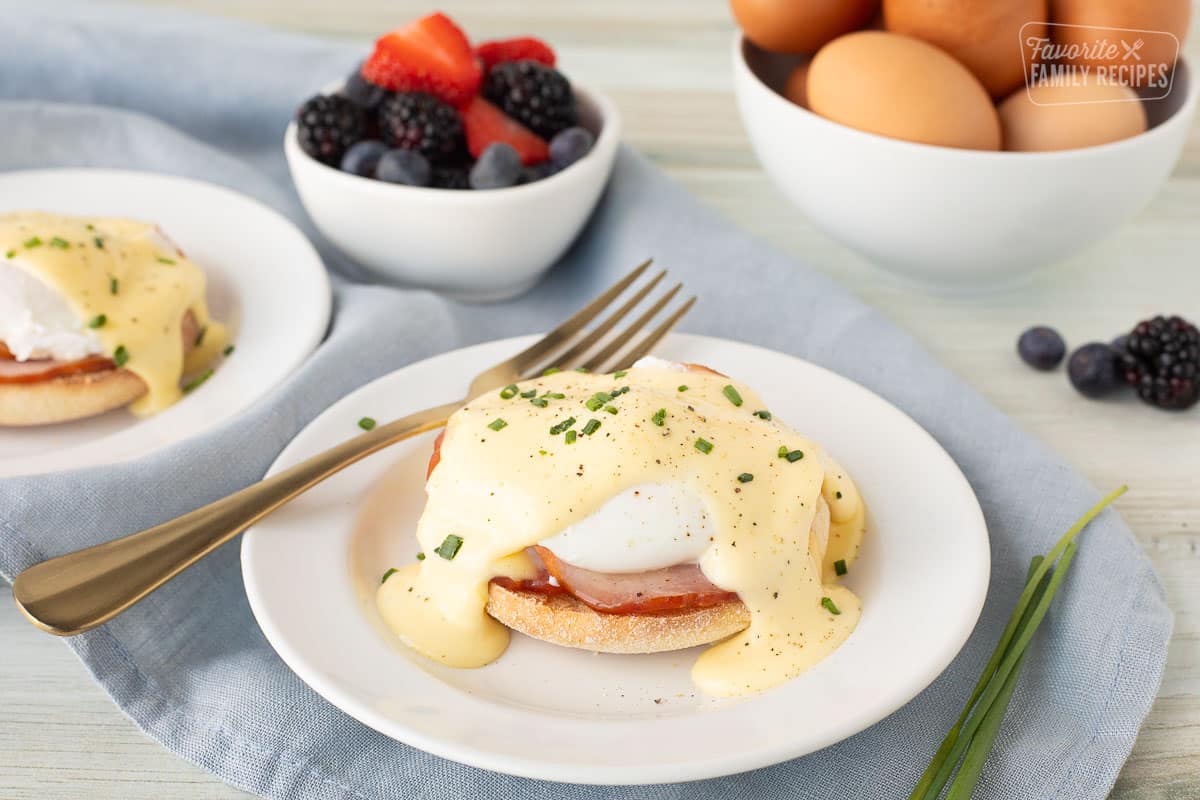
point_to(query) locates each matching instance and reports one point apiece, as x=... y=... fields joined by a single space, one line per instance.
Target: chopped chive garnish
x=839 y=566
x=555 y=395
x=497 y=424
x=659 y=417
x=529 y=394
x=682 y=387
x=704 y=446
x=562 y=426
x=570 y=437
x=10 y=254
x=620 y=374
x=392 y=571
x=618 y=392
x=60 y=243
x=200 y=336
x=838 y=495
x=591 y=427
x=830 y=606
x=550 y=371
x=196 y=381
x=449 y=547
x=794 y=456
x=745 y=477
x=32 y=242
x=764 y=414
x=97 y=321
x=597 y=401
x=165 y=260
x=783 y=451
x=611 y=409
x=582 y=369
x=228 y=350
x=99 y=243
x=120 y=356
x=113 y=285
x=366 y=423
x=420 y=556
x=509 y=392
x=732 y=394
x=540 y=402
x=90 y=226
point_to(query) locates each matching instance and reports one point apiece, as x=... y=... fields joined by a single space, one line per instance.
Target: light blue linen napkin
x=90 y=84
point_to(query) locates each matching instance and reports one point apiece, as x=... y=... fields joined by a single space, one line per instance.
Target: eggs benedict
x=96 y=314
x=652 y=509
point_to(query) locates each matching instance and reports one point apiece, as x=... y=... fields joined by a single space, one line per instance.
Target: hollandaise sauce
x=129 y=285
x=520 y=464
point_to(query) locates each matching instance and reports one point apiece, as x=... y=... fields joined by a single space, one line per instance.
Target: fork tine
x=577 y=352
x=647 y=344
x=623 y=338
x=555 y=338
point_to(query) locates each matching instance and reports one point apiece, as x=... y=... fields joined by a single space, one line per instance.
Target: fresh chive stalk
x=731 y=394
x=970 y=738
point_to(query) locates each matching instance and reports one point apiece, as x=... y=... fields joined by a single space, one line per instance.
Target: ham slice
x=13 y=371
x=677 y=588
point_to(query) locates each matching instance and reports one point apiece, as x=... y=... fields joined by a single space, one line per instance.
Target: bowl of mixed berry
x=467 y=168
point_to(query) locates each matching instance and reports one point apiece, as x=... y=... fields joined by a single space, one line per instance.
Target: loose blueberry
x=498 y=166
x=1041 y=347
x=1093 y=369
x=363 y=158
x=404 y=166
x=362 y=92
x=1120 y=345
x=570 y=145
x=536 y=172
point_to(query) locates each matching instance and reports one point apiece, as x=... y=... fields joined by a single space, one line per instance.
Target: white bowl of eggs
x=913 y=136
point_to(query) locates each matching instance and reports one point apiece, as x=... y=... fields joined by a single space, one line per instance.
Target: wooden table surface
x=666 y=65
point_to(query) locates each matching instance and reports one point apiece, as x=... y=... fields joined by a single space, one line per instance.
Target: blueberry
x=404 y=166
x=570 y=145
x=1120 y=345
x=498 y=166
x=363 y=158
x=362 y=92
x=1041 y=347
x=1093 y=369
x=536 y=172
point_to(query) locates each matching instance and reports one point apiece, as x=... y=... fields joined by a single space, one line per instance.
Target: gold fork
x=78 y=591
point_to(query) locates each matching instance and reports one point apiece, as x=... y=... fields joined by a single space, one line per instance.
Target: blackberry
x=422 y=123
x=451 y=177
x=537 y=96
x=327 y=125
x=1162 y=362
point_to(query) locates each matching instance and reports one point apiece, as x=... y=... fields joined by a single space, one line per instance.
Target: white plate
x=265 y=281
x=566 y=715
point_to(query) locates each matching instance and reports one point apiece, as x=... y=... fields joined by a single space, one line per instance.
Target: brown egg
x=1154 y=58
x=901 y=87
x=800 y=26
x=985 y=35
x=796 y=88
x=1065 y=117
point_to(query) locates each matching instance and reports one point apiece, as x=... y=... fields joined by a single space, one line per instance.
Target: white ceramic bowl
x=946 y=216
x=474 y=245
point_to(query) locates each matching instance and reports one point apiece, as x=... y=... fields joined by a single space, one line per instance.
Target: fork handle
x=78 y=591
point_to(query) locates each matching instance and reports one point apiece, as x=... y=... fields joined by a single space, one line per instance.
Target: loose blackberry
x=326 y=125
x=537 y=96
x=451 y=177
x=1162 y=362
x=420 y=122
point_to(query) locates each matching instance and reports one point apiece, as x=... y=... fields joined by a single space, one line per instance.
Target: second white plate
x=265 y=281
x=547 y=712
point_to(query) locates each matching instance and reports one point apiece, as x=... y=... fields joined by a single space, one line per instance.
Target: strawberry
x=484 y=124
x=523 y=49
x=429 y=55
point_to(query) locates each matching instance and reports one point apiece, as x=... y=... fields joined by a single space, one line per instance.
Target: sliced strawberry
x=523 y=49
x=484 y=124
x=429 y=55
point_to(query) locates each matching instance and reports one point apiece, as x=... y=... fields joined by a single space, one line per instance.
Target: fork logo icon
x=1132 y=49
